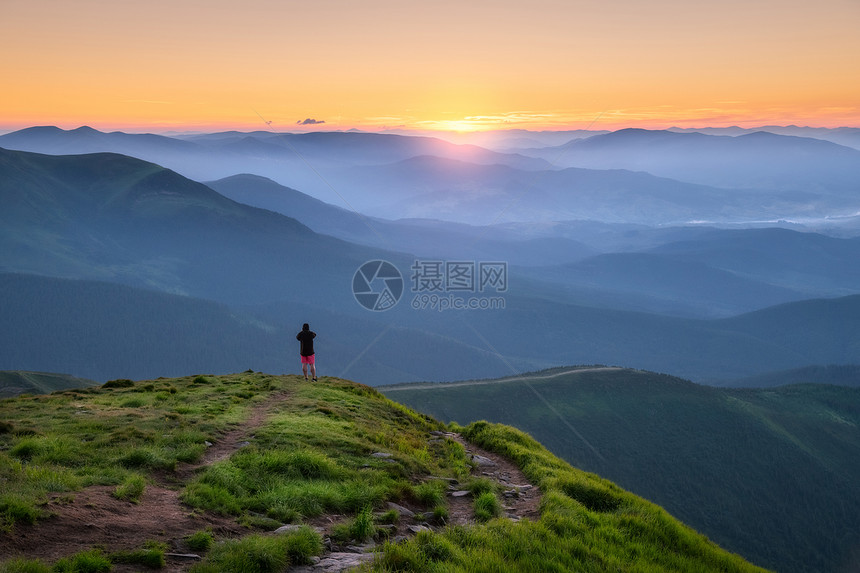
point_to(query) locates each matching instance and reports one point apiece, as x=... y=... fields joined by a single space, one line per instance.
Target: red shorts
x=308 y=359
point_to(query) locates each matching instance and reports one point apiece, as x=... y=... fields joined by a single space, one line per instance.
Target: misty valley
x=708 y=279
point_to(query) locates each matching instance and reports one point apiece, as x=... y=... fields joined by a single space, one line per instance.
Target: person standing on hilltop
x=306 y=350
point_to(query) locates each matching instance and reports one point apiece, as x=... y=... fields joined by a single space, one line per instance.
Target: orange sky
x=192 y=64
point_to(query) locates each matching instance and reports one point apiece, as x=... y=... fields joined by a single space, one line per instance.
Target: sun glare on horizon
x=126 y=66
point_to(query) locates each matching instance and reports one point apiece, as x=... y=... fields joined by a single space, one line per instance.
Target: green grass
x=91 y=561
x=767 y=473
x=360 y=528
x=131 y=489
x=481 y=485
x=262 y=554
x=152 y=558
x=314 y=456
x=431 y=493
x=16 y=508
x=626 y=534
x=200 y=541
x=24 y=566
x=487 y=506
x=110 y=435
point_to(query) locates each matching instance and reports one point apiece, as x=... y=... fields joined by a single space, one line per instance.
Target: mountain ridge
x=745 y=466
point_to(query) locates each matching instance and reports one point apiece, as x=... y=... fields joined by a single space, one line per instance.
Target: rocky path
x=521 y=500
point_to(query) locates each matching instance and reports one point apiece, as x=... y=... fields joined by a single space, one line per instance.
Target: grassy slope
x=770 y=473
x=312 y=457
x=838 y=374
x=13 y=382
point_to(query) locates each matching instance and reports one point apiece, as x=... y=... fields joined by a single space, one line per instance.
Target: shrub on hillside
x=119 y=383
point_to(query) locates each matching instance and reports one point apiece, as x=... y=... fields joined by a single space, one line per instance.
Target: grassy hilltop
x=212 y=465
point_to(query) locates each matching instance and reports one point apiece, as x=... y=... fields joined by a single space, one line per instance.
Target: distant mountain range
x=452 y=190
x=847 y=136
x=428 y=238
x=758 y=160
x=107 y=217
x=111 y=217
x=298 y=160
x=626 y=176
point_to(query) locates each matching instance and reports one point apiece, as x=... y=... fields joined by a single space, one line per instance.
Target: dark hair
x=305 y=326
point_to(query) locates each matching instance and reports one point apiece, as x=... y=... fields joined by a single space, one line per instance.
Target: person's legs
x=305 y=361
x=314 y=371
x=312 y=360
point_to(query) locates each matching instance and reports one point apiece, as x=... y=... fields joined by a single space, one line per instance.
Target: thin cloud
x=310 y=121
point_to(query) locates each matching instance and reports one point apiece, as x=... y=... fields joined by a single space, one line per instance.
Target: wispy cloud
x=310 y=121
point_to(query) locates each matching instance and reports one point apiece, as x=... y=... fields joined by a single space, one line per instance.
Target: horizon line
x=212 y=129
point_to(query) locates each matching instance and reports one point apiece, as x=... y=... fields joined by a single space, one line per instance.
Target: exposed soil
x=94 y=518
x=522 y=498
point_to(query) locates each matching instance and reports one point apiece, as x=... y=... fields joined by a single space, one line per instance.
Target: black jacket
x=306 y=337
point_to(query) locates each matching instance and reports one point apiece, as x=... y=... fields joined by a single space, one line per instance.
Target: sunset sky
x=540 y=64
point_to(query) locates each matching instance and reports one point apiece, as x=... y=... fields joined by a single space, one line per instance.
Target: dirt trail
x=93 y=517
x=521 y=498
x=436 y=385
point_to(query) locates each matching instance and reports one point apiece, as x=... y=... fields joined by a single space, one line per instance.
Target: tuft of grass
x=211 y=498
x=200 y=541
x=390 y=517
x=148 y=457
x=152 y=558
x=302 y=545
x=304 y=464
x=487 y=506
x=440 y=515
x=262 y=554
x=431 y=493
x=53 y=449
x=479 y=486
x=590 y=491
x=427 y=552
x=119 y=383
x=362 y=527
x=92 y=561
x=257 y=521
x=17 y=509
x=131 y=489
x=24 y=566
